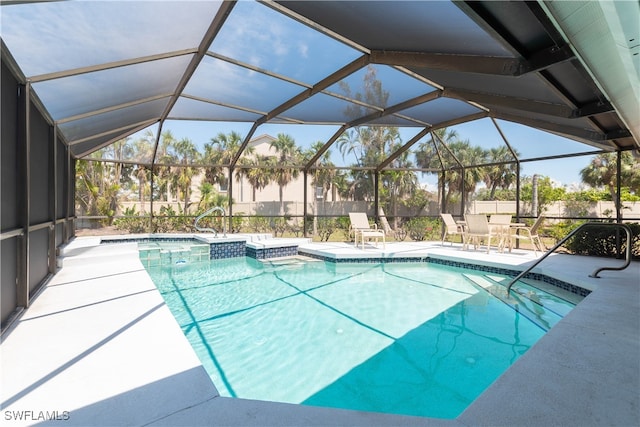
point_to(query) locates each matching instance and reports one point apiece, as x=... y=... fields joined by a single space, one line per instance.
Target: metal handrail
x=213 y=230
x=567 y=237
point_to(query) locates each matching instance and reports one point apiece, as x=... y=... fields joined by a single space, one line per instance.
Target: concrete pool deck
x=98 y=346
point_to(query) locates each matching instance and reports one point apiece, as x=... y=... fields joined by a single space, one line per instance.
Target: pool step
x=528 y=303
x=153 y=257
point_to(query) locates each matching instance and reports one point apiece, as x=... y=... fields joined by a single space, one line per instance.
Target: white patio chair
x=477 y=229
x=531 y=233
x=362 y=229
x=451 y=227
x=499 y=225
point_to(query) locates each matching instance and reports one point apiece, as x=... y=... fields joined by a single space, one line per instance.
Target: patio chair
x=451 y=227
x=500 y=219
x=477 y=228
x=362 y=229
x=499 y=225
x=531 y=233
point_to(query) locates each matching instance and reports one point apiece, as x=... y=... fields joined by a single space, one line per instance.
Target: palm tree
x=256 y=170
x=209 y=197
x=429 y=156
x=351 y=142
x=603 y=172
x=219 y=153
x=87 y=188
x=499 y=175
x=467 y=155
x=400 y=183
x=370 y=146
x=163 y=174
x=343 y=186
x=453 y=155
x=322 y=177
x=287 y=154
x=143 y=149
x=97 y=188
x=186 y=155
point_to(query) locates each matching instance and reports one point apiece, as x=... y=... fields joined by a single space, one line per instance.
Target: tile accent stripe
x=272 y=252
x=497 y=270
x=223 y=250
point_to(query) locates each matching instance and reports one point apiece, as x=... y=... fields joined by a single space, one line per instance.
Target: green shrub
x=326 y=227
x=343 y=224
x=132 y=224
x=400 y=234
x=423 y=228
x=296 y=227
x=602 y=241
x=237 y=222
x=561 y=229
x=258 y=224
x=278 y=225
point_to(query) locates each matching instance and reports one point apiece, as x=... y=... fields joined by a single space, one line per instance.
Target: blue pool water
x=406 y=338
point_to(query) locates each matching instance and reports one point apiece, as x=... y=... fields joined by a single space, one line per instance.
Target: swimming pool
x=406 y=338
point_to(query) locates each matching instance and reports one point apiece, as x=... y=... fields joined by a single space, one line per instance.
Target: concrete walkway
x=98 y=346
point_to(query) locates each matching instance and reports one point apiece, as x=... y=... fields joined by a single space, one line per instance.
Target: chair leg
x=537 y=243
x=533 y=243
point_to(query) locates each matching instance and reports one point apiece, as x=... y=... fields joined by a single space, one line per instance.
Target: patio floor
x=98 y=346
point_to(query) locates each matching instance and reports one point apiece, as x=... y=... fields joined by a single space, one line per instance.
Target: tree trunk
x=281 y=194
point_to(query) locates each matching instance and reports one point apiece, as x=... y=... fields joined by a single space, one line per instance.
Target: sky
x=530 y=143
x=254 y=34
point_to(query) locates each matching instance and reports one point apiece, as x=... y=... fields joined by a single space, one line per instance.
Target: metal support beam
x=244 y=144
x=216 y=25
x=402 y=149
x=463 y=193
x=304 y=201
x=53 y=198
x=318 y=87
x=151 y=181
x=546 y=58
x=494 y=65
x=23 y=202
x=110 y=65
x=449 y=62
x=618 y=200
x=69 y=194
x=529 y=105
x=443 y=199
x=230 y=197
x=593 y=109
x=520 y=104
x=593 y=138
x=325 y=147
x=376 y=195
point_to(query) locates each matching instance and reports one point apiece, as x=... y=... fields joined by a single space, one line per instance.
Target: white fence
x=559 y=209
x=342 y=208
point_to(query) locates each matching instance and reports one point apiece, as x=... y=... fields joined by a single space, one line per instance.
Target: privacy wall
x=36 y=194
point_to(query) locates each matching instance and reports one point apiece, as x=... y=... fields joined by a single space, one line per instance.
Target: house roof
x=104 y=70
